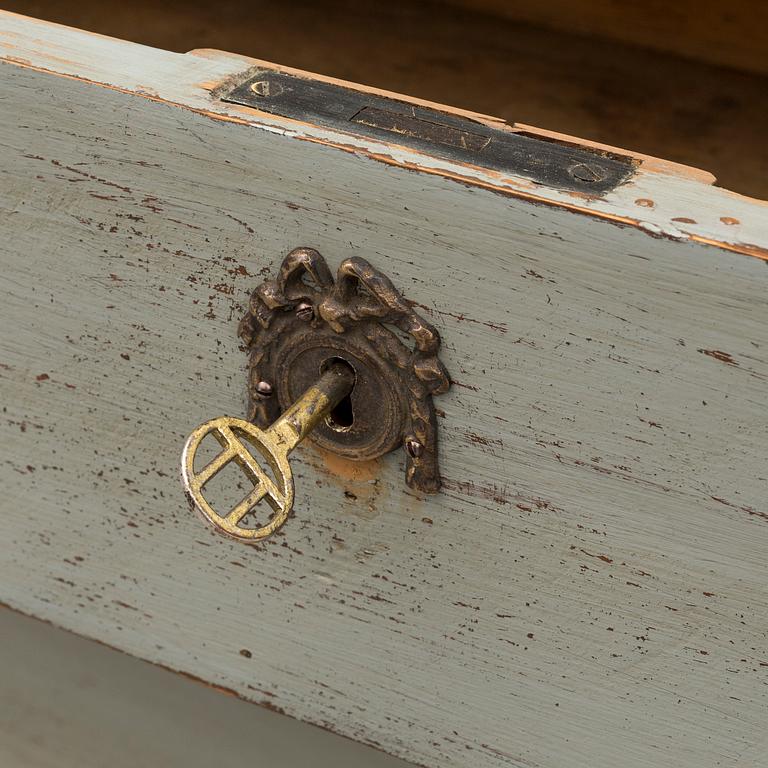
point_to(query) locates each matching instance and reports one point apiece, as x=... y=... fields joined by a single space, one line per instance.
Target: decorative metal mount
x=302 y=321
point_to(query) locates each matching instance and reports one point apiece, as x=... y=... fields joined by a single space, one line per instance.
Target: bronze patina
x=303 y=320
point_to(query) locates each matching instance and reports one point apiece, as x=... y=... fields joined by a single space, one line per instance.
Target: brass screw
x=264 y=390
x=414 y=447
x=260 y=87
x=305 y=311
x=587 y=172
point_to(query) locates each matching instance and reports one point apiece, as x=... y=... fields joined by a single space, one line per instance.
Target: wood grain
x=590 y=587
x=703 y=115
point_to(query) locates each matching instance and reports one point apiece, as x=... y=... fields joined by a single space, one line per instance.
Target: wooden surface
x=731 y=33
x=67 y=702
x=707 y=116
x=590 y=587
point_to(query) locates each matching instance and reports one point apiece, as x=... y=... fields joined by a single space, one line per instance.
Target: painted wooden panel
x=589 y=589
x=518 y=68
x=68 y=702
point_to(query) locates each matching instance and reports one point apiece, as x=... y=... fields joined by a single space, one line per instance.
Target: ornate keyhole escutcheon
x=302 y=319
x=345 y=362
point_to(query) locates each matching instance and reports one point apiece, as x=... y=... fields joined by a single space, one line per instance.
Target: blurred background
x=684 y=81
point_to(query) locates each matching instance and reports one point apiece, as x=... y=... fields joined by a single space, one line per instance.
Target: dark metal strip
x=450 y=137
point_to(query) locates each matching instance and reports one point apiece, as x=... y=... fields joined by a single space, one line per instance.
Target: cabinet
x=588 y=588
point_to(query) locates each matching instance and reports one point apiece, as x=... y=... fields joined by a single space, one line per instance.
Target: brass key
x=273 y=444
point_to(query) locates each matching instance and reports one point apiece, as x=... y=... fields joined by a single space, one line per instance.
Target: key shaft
x=311 y=408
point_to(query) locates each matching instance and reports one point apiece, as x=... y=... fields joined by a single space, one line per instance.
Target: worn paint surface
x=673 y=203
x=703 y=115
x=589 y=588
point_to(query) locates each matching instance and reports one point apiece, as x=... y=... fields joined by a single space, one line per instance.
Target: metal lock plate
x=438 y=133
x=303 y=320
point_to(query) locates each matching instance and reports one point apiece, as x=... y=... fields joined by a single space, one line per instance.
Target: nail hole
x=342 y=417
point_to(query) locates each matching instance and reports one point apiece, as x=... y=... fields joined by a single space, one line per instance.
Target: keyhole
x=341 y=418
